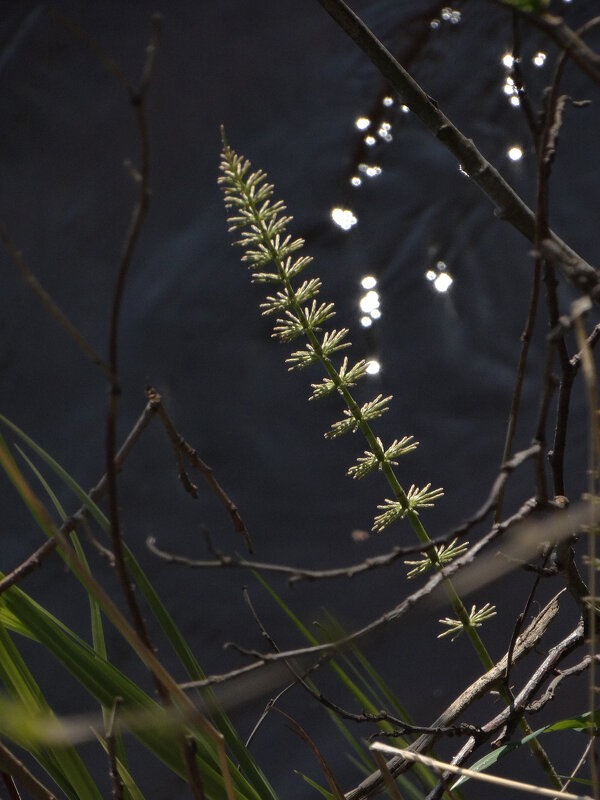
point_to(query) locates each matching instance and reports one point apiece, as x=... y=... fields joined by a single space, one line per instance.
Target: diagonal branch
x=508 y=203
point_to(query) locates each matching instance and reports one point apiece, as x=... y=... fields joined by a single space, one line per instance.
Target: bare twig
x=53 y=309
x=329 y=776
x=389 y=616
x=35 y=560
x=138 y=102
x=297 y=574
x=548 y=695
x=181 y=447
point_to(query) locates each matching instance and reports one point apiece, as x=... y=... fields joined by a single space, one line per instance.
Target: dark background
x=288 y=86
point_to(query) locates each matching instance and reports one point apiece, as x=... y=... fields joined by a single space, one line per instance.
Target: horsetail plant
x=264 y=238
x=266 y=243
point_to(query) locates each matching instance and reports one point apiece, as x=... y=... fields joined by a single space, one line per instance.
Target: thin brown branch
x=520 y=376
x=297 y=574
x=521 y=619
x=389 y=616
x=35 y=560
x=188 y=747
x=51 y=306
x=138 y=102
x=181 y=447
x=509 y=205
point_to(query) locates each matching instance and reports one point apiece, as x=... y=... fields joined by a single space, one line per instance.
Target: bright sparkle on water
x=508 y=60
x=388 y=101
x=514 y=101
x=366 y=322
x=355 y=181
x=362 y=123
x=404 y=109
x=451 y=15
x=373 y=367
x=443 y=282
x=539 y=59
x=375 y=314
x=369 y=301
x=431 y=275
x=370 y=170
x=384 y=131
x=509 y=86
x=369 y=282
x=515 y=153
x=435 y=23
x=343 y=217
x=370 y=140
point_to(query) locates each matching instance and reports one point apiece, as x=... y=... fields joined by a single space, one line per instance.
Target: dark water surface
x=288 y=86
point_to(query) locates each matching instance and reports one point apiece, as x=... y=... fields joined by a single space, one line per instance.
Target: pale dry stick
x=591 y=387
x=443 y=766
x=388 y=779
x=505 y=721
x=508 y=203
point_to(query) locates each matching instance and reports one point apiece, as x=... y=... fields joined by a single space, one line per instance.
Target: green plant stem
x=399 y=493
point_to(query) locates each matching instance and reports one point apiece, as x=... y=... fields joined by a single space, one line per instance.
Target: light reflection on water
x=343 y=217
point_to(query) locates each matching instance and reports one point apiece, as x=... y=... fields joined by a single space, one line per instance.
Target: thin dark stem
x=138 y=101
x=181 y=448
x=53 y=309
x=35 y=560
x=296 y=574
x=520 y=376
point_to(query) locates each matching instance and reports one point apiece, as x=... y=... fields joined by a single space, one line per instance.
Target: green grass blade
x=247 y=763
x=323 y=792
x=62 y=763
x=98 y=639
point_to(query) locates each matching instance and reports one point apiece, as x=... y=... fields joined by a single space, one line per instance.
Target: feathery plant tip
x=271 y=255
